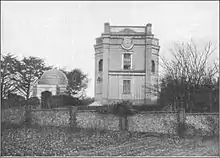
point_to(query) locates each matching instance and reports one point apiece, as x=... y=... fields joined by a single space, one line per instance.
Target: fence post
x=72 y=119
x=27 y=115
x=123 y=122
x=181 y=119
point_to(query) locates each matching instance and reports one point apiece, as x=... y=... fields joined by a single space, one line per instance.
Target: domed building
x=54 y=81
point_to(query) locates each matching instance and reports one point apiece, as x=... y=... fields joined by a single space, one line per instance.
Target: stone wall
x=13 y=115
x=51 y=117
x=202 y=124
x=92 y=119
x=160 y=122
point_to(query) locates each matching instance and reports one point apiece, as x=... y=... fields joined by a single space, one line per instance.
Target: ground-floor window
x=126 y=86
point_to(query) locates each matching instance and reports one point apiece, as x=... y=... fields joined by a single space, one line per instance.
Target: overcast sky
x=63 y=33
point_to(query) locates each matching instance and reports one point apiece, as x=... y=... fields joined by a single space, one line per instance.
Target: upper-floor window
x=100 y=65
x=126 y=86
x=152 y=66
x=126 y=61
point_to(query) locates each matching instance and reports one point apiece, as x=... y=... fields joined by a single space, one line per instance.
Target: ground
x=62 y=141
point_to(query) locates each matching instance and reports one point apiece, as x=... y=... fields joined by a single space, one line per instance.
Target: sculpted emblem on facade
x=127 y=43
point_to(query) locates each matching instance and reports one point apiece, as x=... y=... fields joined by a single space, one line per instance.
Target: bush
x=5 y=104
x=69 y=100
x=121 y=108
x=63 y=100
x=33 y=101
x=149 y=107
x=15 y=100
x=57 y=101
x=87 y=101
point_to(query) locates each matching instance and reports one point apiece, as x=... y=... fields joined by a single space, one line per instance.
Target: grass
x=20 y=140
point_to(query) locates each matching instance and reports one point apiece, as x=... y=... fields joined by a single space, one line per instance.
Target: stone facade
x=126 y=62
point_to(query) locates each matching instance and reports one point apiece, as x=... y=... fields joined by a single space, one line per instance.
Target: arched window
x=152 y=66
x=100 y=65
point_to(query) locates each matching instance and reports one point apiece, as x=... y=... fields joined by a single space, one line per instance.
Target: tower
x=126 y=64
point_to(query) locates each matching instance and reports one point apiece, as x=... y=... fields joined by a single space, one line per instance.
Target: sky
x=63 y=33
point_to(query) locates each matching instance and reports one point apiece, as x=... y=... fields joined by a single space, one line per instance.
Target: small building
x=54 y=81
x=126 y=64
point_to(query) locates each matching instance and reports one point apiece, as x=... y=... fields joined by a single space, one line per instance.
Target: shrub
x=57 y=101
x=63 y=100
x=121 y=108
x=5 y=104
x=16 y=100
x=87 y=101
x=70 y=100
x=33 y=101
x=149 y=107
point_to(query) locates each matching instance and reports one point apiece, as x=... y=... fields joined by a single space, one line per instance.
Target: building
x=54 y=81
x=126 y=64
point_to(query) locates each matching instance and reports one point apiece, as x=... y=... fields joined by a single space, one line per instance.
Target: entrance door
x=46 y=99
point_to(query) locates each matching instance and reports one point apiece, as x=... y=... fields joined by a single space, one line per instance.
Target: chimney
x=149 y=29
x=107 y=27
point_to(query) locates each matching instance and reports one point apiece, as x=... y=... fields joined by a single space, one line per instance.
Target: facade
x=126 y=64
x=54 y=81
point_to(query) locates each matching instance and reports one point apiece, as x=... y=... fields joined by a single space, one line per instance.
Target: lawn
x=58 y=141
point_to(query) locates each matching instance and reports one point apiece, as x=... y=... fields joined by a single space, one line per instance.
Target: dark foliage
x=15 y=100
x=87 y=101
x=189 y=77
x=29 y=69
x=148 y=107
x=122 y=108
x=77 y=82
x=63 y=101
x=33 y=101
x=8 y=71
x=5 y=103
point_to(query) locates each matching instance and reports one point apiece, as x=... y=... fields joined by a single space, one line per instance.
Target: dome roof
x=53 y=77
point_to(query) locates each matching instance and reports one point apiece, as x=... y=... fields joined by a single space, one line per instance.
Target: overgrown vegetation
x=18 y=76
x=118 y=108
x=189 y=76
x=33 y=101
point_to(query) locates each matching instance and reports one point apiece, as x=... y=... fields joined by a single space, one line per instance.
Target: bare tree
x=187 y=72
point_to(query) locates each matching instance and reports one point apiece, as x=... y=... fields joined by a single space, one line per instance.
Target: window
x=100 y=65
x=127 y=61
x=126 y=86
x=152 y=66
